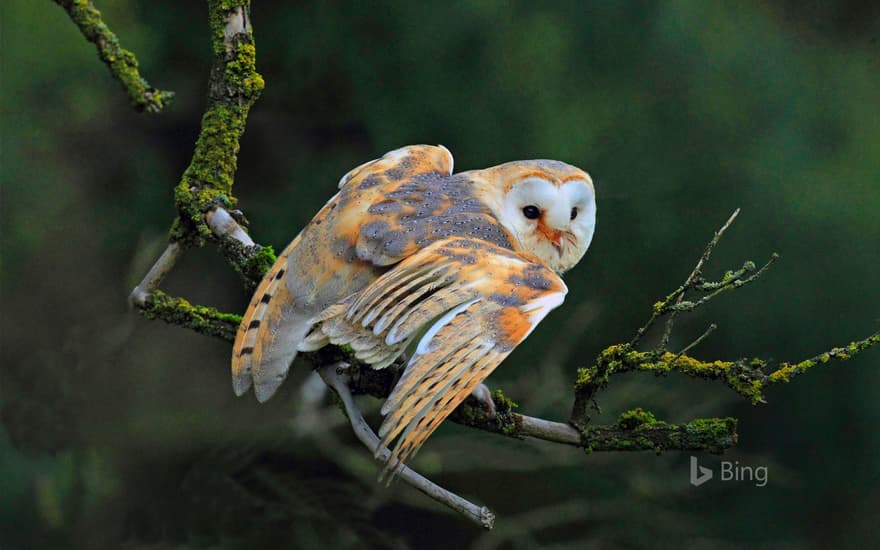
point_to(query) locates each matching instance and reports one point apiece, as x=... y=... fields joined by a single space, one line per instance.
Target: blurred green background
x=117 y=431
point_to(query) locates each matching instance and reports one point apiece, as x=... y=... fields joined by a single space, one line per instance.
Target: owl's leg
x=482 y=394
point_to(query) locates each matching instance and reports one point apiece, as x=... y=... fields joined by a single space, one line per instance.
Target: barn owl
x=457 y=268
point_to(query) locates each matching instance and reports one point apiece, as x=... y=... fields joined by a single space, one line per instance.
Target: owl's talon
x=482 y=394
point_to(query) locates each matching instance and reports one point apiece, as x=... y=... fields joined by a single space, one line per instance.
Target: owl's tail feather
x=267 y=338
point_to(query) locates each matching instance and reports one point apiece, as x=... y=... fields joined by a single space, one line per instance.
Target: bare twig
x=224 y=226
x=122 y=63
x=695 y=274
x=335 y=376
x=154 y=276
x=660 y=308
x=696 y=342
x=730 y=283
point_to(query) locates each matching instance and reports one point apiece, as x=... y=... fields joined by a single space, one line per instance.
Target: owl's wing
x=471 y=301
x=394 y=206
x=320 y=266
x=394 y=165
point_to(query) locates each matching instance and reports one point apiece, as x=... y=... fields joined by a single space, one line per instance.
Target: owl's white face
x=552 y=220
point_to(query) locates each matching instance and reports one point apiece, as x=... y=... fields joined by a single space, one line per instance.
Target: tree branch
x=122 y=63
x=202 y=319
x=205 y=189
x=233 y=87
x=636 y=430
x=335 y=376
x=155 y=275
x=695 y=274
x=747 y=376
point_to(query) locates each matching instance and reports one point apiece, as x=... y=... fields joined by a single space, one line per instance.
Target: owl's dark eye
x=574 y=212
x=531 y=212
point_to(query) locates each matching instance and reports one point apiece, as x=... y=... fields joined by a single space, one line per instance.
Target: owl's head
x=548 y=206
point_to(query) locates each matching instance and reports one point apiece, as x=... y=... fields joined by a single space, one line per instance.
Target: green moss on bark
x=639 y=430
x=122 y=63
x=202 y=319
x=234 y=87
x=787 y=371
x=744 y=377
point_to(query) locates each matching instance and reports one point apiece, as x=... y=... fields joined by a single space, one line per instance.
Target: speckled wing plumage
x=477 y=301
x=385 y=210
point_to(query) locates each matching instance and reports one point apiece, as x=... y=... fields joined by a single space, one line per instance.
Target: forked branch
x=749 y=377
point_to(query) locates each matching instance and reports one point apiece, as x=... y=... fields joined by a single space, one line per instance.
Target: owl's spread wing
x=321 y=266
x=469 y=302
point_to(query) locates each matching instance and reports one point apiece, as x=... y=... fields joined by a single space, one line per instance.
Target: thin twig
x=786 y=371
x=154 y=276
x=336 y=377
x=122 y=63
x=730 y=285
x=696 y=342
x=670 y=321
x=662 y=308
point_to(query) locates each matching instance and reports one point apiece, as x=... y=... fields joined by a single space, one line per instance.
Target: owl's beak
x=558 y=240
x=555 y=236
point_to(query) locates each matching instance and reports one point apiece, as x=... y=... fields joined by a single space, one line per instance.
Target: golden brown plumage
x=461 y=267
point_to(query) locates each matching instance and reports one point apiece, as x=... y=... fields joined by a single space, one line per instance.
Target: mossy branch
x=204 y=194
x=786 y=371
x=202 y=319
x=749 y=377
x=233 y=88
x=122 y=63
x=636 y=430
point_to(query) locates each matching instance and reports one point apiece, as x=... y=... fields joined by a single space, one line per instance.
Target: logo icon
x=699 y=474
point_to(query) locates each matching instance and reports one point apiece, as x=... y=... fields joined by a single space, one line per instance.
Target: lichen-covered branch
x=786 y=371
x=202 y=319
x=122 y=63
x=636 y=430
x=749 y=377
x=204 y=192
x=233 y=88
x=250 y=260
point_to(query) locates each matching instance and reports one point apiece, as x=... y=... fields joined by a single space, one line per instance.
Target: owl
x=456 y=269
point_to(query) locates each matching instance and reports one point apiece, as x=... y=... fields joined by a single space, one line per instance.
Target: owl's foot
x=482 y=394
